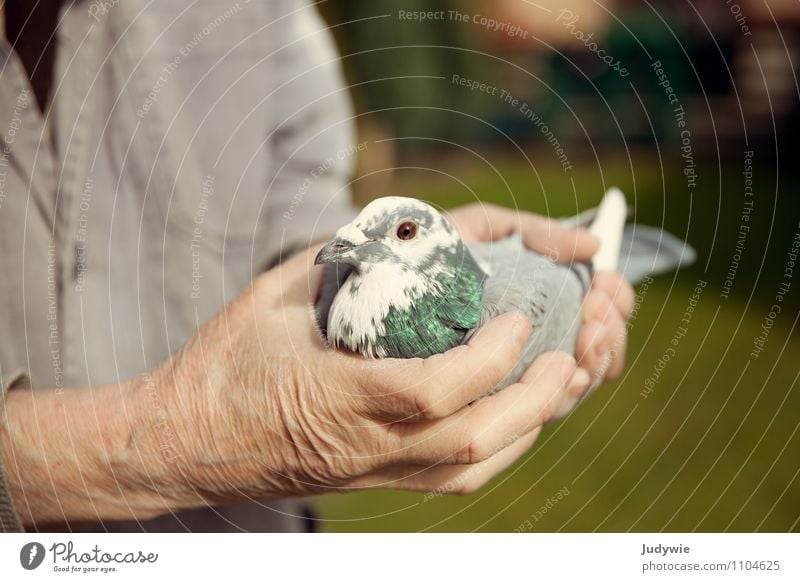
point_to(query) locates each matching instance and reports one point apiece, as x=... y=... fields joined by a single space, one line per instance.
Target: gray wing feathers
x=651 y=251
x=550 y=294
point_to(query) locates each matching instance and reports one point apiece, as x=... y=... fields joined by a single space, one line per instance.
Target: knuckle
x=405 y=405
x=419 y=401
x=416 y=404
x=422 y=405
x=474 y=449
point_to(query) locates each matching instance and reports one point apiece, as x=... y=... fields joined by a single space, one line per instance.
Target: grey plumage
x=648 y=251
x=551 y=294
x=548 y=293
x=509 y=277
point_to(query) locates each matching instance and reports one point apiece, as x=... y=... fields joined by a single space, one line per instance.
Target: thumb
x=449 y=381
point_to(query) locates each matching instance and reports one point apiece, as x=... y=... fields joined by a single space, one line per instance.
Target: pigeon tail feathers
x=647 y=251
x=634 y=250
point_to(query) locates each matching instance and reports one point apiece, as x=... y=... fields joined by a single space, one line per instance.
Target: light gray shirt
x=185 y=144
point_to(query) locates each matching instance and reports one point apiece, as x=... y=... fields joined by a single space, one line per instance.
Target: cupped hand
x=263 y=408
x=602 y=339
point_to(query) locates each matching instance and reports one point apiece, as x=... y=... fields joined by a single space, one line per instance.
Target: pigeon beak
x=334 y=251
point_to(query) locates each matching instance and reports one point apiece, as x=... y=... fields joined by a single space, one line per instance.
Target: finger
x=435 y=387
x=605 y=358
x=597 y=306
x=619 y=346
x=548 y=237
x=441 y=479
x=475 y=433
x=578 y=386
x=617 y=288
x=542 y=234
x=591 y=348
x=594 y=339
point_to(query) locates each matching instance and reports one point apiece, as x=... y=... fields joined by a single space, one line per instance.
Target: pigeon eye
x=407 y=230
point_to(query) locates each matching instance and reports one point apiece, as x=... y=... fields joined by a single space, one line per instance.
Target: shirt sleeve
x=9 y=520
x=312 y=144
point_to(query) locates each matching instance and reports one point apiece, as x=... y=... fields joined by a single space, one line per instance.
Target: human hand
x=602 y=339
x=263 y=409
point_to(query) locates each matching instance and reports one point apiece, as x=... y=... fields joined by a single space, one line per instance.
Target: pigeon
x=399 y=282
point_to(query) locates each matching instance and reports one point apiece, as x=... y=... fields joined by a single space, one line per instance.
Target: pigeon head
x=412 y=288
x=392 y=229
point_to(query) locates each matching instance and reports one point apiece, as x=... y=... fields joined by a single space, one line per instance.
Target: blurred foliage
x=401 y=74
x=401 y=69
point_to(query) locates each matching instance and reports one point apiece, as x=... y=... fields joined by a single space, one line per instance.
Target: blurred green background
x=714 y=446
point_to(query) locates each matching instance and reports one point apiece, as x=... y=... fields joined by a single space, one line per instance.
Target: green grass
x=714 y=446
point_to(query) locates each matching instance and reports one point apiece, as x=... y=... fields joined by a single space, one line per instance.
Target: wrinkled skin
x=255 y=406
x=280 y=414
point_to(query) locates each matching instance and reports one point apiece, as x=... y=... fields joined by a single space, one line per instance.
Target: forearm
x=78 y=455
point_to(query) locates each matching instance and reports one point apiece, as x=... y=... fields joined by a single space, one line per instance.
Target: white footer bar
x=401 y=557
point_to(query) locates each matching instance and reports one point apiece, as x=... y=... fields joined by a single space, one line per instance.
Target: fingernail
x=568 y=369
x=521 y=331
